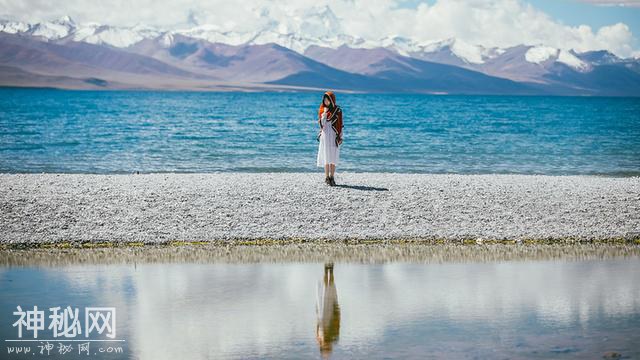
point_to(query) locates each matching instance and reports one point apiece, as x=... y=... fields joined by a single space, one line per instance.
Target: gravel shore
x=150 y=208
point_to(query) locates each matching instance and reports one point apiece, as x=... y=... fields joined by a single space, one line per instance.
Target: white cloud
x=500 y=23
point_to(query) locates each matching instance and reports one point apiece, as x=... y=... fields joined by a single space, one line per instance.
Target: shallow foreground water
x=585 y=304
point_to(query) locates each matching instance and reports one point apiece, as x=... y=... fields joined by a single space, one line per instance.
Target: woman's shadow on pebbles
x=361 y=187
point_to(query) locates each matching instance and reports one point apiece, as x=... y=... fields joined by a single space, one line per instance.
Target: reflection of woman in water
x=328 y=312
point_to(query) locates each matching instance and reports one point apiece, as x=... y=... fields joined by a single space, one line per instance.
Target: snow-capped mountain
x=54 y=29
x=301 y=50
x=13 y=27
x=315 y=27
x=459 y=51
x=93 y=33
x=47 y=30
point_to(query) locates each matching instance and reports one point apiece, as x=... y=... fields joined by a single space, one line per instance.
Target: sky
x=582 y=25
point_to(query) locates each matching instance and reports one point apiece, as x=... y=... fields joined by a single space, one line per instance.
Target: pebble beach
x=163 y=207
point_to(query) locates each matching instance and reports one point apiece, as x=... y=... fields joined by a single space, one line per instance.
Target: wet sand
x=227 y=207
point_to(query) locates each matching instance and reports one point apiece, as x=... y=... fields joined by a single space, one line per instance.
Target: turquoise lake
x=46 y=130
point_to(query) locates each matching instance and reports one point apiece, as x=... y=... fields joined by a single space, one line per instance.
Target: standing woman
x=330 y=136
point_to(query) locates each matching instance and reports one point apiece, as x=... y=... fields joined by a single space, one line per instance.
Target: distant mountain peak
x=599 y=57
x=53 y=30
x=450 y=47
x=65 y=20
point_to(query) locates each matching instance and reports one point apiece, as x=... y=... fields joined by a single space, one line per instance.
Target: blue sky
x=576 y=13
x=594 y=13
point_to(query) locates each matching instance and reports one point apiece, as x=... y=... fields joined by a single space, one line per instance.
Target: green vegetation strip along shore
x=251 y=251
x=281 y=242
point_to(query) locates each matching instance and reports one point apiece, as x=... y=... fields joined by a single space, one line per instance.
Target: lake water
x=44 y=130
x=496 y=309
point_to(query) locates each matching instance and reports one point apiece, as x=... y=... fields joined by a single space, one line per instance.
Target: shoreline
x=301 y=242
x=318 y=170
x=315 y=252
x=239 y=207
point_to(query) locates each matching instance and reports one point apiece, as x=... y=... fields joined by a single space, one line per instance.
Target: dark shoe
x=333 y=181
x=327 y=180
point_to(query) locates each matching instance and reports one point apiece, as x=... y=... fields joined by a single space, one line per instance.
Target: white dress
x=328 y=151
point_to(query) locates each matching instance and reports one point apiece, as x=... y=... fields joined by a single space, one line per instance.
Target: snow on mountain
x=93 y=33
x=121 y=37
x=315 y=26
x=468 y=53
x=212 y=34
x=567 y=57
x=55 y=29
x=474 y=54
x=599 y=57
x=166 y=39
x=541 y=53
x=299 y=43
x=402 y=45
x=48 y=30
x=281 y=36
x=13 y=27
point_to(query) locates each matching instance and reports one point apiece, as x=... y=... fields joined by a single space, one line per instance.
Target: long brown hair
x=332 y=98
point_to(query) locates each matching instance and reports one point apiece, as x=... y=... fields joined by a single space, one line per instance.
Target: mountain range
x=309 y=57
